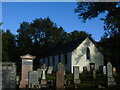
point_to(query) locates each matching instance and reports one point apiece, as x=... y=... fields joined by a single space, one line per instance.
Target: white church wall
x=79 y=56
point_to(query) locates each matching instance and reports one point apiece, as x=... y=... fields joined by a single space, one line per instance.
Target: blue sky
x=61 y=13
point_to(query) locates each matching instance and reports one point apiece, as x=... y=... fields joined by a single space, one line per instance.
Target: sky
x=61 y=13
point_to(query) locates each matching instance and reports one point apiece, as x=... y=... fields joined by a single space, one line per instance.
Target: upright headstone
x=114 y=71
x=104 y=70
x=50 y=68
x=60 y=76
x=110 y=78
x=17 y=79
x=27 y=65
x=101 y=69
x=8 y=75
x=76 y=74
x=43 y=68
x=61 y=67
x=33 y=77
x=94 y=75
x=39 y=72
x=85 y=71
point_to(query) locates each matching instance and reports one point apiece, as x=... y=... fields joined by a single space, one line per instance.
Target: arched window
x=88 y=53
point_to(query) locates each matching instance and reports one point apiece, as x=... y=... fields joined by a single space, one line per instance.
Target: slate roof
x=64 y=48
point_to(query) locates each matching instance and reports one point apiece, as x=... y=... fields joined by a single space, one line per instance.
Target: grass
x=50 y=76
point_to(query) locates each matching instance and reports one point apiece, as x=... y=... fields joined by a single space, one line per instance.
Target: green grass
x=50 y=77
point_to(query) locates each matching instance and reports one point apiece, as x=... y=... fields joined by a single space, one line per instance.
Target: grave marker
x=76 y=74
x=60 y=76
x=27 y=65
x=50 y=68
x=33 y=77
x=110 y=78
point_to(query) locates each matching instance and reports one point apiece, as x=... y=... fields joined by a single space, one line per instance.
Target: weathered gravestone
x=33 y=77
x=60 y=76
x=104 y=70
x=101 y=69
x=17 y=79
x=110 y=78
x=76 y=74
x=50 y=68
x=114 y=71
x=85 y=71
x=43 y=68
x=8 y=75
x=94 y=75
x=27 y=65
x=39 y=72
x=61 y=67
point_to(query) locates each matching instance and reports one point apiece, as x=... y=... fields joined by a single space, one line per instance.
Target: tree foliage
x=35 y=38
x=89 y=10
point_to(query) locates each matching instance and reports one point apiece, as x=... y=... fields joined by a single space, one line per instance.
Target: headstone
x=39 y=72
x=110 y=78
x=17 y=79
x=114 y=71
x=101 y=69
x=33 y=77
x=85 y=71
x=76 y=74
x=104 y=70
x=27 y=65
x=94 y=75
x=8 y=75
x=60 y=79
x=43 y=81
x=60 y=76
x=60 y=66
x=50 y=68
x=92 y=66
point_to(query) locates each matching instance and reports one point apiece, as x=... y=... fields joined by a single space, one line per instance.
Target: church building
x=81 y=52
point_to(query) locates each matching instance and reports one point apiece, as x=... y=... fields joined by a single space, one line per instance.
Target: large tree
x=8 y=46
x=89 y=10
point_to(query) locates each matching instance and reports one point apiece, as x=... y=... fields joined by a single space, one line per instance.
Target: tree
x=38 y=36
x=89 y=10
x=8 y=46
x=78 y=34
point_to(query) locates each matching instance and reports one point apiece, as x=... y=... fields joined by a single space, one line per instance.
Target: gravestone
x=43 y=81
x=104 y=70
x=101 y=69
x=27 y=65
x=110 y=78
x=60 y=76
x=60 y=79
x=50 y=69
x=85 y=71
x=8 y=75
x=60 y=66
x=76 y=74
x=17 y=79
x=94 y=75
x=114 y=71
x=33 y=77
x=39 y=72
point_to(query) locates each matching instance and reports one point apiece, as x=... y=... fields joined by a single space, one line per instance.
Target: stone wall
x=8 y=75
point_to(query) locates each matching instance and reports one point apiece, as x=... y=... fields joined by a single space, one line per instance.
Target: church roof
x=64 y=48
x=68 y=47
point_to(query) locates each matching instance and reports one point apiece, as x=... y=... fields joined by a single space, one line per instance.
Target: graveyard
x=44 y=77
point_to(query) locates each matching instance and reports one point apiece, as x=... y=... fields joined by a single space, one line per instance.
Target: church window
x=88 y=53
